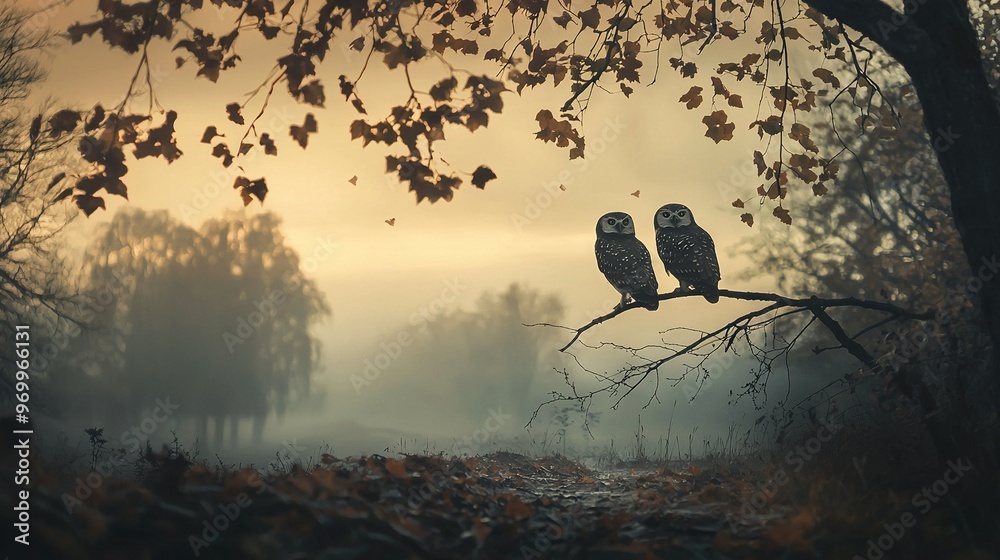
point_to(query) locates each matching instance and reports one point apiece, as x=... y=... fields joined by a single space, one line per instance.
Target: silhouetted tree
x=218 y=319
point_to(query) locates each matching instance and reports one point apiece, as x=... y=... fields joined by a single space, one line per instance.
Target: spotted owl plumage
x=625 y=261
x=687 y=251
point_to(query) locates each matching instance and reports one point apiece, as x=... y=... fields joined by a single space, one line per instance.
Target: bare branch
x=781 y=301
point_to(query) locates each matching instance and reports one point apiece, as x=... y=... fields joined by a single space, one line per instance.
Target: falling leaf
x=562 y=187
x=482 y=175
x=210 y=133
x=55 y=181
x=391 y=221
x=636 y=194
x=353 y=180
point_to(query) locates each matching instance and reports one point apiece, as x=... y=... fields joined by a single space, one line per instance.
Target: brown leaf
x=268 y=143
x=89 y=204
x=747 y=218
x=590 y=18
x=55 y=181
x=353 y=180
x=635 y=194
x=391 y=221
x=735 y=101
x=62 y=122
x=692 y=98
x=516 y=509
x=66 y=192
x=737 y=203
x=783 y=215
x=719 y=128
x=210 y=133
x=301 y=133
x=482 y=175
x=233 y=111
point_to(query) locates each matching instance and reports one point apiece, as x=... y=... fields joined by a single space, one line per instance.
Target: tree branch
x=895 y=32
x=812 y=304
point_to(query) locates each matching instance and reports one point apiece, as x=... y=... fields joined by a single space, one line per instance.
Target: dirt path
x=499 y=506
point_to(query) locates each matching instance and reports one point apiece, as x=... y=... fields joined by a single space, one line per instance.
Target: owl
x=687 y=251
x=625 y=261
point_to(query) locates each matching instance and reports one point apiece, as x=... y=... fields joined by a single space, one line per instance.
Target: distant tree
x=484 y=356
x=217 y=319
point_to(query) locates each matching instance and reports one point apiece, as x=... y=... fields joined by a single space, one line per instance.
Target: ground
x=502 y=505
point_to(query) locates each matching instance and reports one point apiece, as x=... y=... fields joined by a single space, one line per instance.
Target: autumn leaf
x=692 y=98
x=268 y=143
x=719 y=128
x=391 y=221
x=395 y=468
x=233 y=111
x=55 y=181
x=353 y=180
x=210 y=133
x=482 y=175
x=737 y=203
x=783 y=215
x=590 y=18
x=516 y=509
x=62 y=122
x=301 y=133
x=635 y=194
x=747 y=218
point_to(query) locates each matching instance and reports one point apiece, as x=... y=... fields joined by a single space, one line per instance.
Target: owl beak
x=674 y=220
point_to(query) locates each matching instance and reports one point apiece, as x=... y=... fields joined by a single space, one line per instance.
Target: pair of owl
x=687 y=252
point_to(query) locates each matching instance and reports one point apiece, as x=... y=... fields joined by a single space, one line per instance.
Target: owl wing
x=689 y=255
x=627 y=265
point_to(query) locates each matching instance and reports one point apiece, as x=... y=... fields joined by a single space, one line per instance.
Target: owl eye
x=625 y=222
x=665 y=214
x=611 y=221
x=682 y=213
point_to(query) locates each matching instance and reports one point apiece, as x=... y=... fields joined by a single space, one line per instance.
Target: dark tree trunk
x=938 y=47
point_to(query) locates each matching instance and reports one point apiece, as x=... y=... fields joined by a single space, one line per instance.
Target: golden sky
x=378 y=275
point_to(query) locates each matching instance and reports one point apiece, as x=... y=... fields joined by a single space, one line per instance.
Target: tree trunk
x=963 y=121
x=938 y=47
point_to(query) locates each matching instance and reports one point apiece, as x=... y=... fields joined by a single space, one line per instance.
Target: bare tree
x=32 y=287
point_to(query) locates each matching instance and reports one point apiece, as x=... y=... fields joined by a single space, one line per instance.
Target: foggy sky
x=378 y=276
